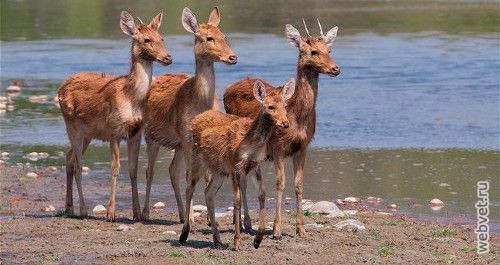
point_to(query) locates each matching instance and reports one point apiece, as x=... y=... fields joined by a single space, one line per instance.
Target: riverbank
x=30 y=235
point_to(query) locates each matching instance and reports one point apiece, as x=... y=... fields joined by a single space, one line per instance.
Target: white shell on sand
x=436 y=202
x=31 y=175
x=159 y=205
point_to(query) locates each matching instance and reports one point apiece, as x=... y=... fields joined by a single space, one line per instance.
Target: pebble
x=196 y=215
x=99 y=209
x=123 y=227
x=33 y=156
x=313 y=226
x=159 y=205
x=38 y=99
x=417 y=205
x=326 y=207
x=49 y=208
x=350 y=225
x=436 y=202
x=383 y=213
x=267 y=228
x=170 y=232
x=436 y=207
x=350 y=212
x=352 y=200
x=444 y=185
x=10 y=107
x=2 y=162
x=5 y=154
x=3 y=99
x=85 y=170
x=339 y=202
x=199 y=208
x=13 y=89
x=231 y=208
x=3 y=106
x=392 y=206
x=31 y=175
x=52 y=168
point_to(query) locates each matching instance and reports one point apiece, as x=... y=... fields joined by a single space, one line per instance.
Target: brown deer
x=110 y=108
x=174 y=100
x=314 y=58
x=229 y=145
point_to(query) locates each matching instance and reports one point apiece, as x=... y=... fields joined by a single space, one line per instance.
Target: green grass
x=1 y=206
x=450 y=259
x=176 y=254
x=445 y=232
x=63 y=214
x=396 y=223
x=468 y=249
x=307 y=213
x=384 y=251
x=374 y=232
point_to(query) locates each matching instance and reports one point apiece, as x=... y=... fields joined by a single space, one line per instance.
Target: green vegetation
x=97 y=19
x=445 y=232
x=63 y=214
x=176 y=254
x=384 y=251
x=307 y=213
x=468 y=249
x=450 y=259
x=1 y=206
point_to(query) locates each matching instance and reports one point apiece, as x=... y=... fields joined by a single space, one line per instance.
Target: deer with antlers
x=228 y=145
x=174 y=100
x=111 y=108
x=314 y=58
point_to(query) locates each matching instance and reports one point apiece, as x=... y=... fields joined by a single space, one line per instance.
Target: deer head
x=275 y=105
x=147 y=41
x=210 y=42
x=314 y=52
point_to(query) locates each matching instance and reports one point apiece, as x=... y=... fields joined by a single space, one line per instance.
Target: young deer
x=110 y=108
x=174 y=100
x=228 y=145
x=314 y=58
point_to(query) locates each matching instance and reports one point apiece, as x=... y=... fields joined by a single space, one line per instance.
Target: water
x=416 y=105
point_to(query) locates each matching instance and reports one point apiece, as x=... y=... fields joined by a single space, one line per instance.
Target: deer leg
x=279 y=164
x=133 y=147
x=175 y=171
x=262 y=204
x=247 y=221
x=210 y=192
x=152 y=150
x=115 y=170
x=237 y=209
x=70 y=171
x=187 y=150
x=191 y=185
x=77 y=146
x=298 y=165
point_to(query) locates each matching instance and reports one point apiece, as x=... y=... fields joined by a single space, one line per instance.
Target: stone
x=10 y=107
x=436 y=202
x=444 y=185
x=288 y=200
x=3 y=106
x=196 y=215
x=350 y=225
x=5 y=154
x=267 y=228
x=313 y=226
x=159 y=205
x=49 y=208
x=52 y=168
x=2 y=162
x=123 y=227
x=170 y=232
x=85 y=170
x=339 y=202
x=327 y=208
x=99 y=209
x=231 y=208
x=392 y=206
x=13 y=89
x=199 y=208
x=436 y=207
x=352 y=200
x=33 y=156
x=31 y=175
x=350 y=212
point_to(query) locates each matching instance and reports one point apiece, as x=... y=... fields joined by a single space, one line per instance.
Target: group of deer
x=180 y=112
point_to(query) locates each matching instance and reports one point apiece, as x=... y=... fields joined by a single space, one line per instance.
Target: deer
x=111 y=108
x=314 y=58
x=227 y=145
x=174 y=100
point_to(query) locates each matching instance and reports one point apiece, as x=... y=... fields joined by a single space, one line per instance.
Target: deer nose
x=286 y=124
x=334 y=71
x=233 y=59
x=168 y=59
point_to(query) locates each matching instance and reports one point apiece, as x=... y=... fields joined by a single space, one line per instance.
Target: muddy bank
x=30 y=235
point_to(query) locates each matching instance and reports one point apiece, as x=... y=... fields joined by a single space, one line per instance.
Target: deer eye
x=210 y=39
x=271 y=107
x=147 y=40
x=314 y=52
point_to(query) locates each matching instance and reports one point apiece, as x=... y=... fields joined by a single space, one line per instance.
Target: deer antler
x=138 y=18
x=320 y=28
x=307 y=31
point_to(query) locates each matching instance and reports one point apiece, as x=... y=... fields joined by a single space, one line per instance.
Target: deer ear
x=293 y=35
x=259 y=91
x=189 y=21
x=330 y=36
x=288 y=89
x=156 y=21
x=214 y=17
x=127 y=23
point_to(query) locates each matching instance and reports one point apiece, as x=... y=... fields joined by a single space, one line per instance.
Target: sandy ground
x=31 y=236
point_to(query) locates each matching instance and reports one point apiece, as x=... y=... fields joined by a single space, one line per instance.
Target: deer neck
x=139 y=79
x=260 y=131
x=306 y=91
x=204 y=82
